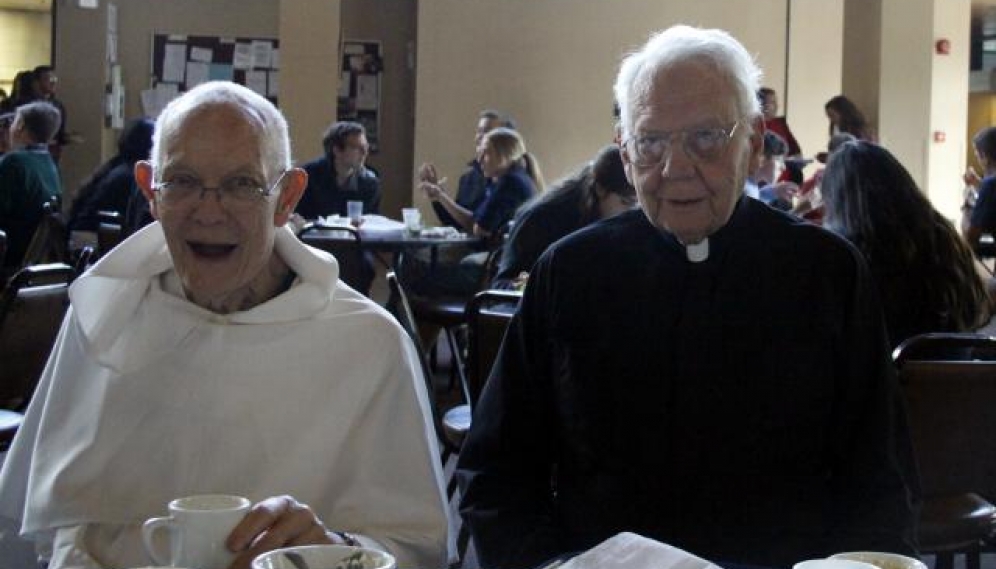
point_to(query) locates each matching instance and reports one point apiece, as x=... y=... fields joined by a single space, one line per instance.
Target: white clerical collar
x=698 y=252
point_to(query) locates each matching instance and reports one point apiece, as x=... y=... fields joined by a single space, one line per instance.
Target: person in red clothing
x=773 y=122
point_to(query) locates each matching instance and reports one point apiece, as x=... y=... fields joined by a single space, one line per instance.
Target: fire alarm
x=942 y=47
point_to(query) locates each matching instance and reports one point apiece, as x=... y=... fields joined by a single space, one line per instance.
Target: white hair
x=681 y=44
x=260 y=113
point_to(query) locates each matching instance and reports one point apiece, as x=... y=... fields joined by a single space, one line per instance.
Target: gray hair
x=268 y=122
x=680 y=44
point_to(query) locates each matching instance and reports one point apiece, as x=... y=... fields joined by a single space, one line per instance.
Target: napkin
x=631 y=551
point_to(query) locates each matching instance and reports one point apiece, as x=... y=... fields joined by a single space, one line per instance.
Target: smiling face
x=222 y=249
x=686 y=197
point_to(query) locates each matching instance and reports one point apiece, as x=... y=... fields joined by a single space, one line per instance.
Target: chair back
x=399 y=307
x=344 y=244
x=109 y=232
x=31 y=311
x=49 y=242
x=83 y=260
x=951 y=402
x=3 y=247
x=488 y=315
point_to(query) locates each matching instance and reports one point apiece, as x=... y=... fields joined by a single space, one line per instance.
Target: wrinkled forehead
x=221 y=125
x=683 y=91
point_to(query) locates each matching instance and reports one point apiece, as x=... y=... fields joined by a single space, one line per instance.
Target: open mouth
x=211 y=250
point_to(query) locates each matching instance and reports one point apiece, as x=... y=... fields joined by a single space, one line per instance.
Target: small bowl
x=882 y=560
x=324 y=557
x=832 y=564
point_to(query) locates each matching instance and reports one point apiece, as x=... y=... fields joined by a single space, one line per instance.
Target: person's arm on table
x=506 y=462
x=435 y=192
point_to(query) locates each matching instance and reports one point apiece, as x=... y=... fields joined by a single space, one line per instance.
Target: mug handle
x=149 y=529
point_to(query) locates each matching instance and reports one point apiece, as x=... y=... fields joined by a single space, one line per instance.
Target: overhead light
x=92 y=4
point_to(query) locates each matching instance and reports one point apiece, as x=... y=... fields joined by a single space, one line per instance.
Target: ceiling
x=35 y=5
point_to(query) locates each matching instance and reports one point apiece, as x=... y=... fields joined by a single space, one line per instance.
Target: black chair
x=345 y=245
x=50 y=240
x=949 y=382
x=487 y=315
x=84 y=258
x=31 y=311
x=3 y=247
x=109 y=231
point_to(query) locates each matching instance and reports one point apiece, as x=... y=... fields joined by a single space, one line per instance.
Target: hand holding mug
x=277 y=522
x=196 y=530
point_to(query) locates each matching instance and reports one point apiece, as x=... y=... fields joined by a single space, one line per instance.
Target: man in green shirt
x=28 y=177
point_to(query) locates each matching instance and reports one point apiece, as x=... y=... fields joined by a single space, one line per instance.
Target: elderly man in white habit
x=212 y=352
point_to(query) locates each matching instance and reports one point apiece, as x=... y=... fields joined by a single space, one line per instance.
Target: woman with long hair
x=926 y=274
x=513 y=176
x=844 y=116
x=597 y=191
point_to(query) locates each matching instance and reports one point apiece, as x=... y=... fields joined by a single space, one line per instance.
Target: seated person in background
x=28 y=177
x=598 y=191
x=647 y=383
x=979 y=208
x=470 y=190
x=111 y=186
x=844 y=116
x=340 y=176
x=213 y=352
x=514 y=177
x=809 y=204
x=773 y=122
x=926 y=275
x=6 y=120
x=763 y=184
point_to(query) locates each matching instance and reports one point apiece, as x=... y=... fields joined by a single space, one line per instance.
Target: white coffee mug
x=197 y=527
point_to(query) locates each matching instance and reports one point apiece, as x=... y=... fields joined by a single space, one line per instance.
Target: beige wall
x=949 y=106
x=25 y=42
x=551 y=71
x=862 y=55
x=815 y=54
x=309 y=76
x=391 y=22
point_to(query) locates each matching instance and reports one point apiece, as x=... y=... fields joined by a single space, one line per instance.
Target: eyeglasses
x=237 y=190
x=700 y=144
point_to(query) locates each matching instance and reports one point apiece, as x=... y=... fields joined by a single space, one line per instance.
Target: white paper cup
x=324 y=557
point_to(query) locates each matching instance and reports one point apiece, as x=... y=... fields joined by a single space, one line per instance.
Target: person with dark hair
x=111 y=187
x=844 y=116
x=23 y=91
x=45 y=85
x=925 y=273
x=598 y=190
x=6 y=120
x=471 y=186
x=340 y=175
x=28 y=177
x=979 y=208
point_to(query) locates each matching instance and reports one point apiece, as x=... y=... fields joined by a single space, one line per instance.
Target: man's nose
x=676 y=160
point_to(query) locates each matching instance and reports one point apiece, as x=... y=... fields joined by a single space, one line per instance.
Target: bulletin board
x=181 y=62
x=360 y=86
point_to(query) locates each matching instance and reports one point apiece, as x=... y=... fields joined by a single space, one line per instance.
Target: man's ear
x=143 y=177
x=294 y=184
x=756 y=140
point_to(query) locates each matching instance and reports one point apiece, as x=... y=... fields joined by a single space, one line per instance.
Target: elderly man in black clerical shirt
x=647 y=384
x=341 y=175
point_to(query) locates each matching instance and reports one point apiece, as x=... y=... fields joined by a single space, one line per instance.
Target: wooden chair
x=951 y=399
x=31 y=311
x=347 y=248
x=109 y=231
